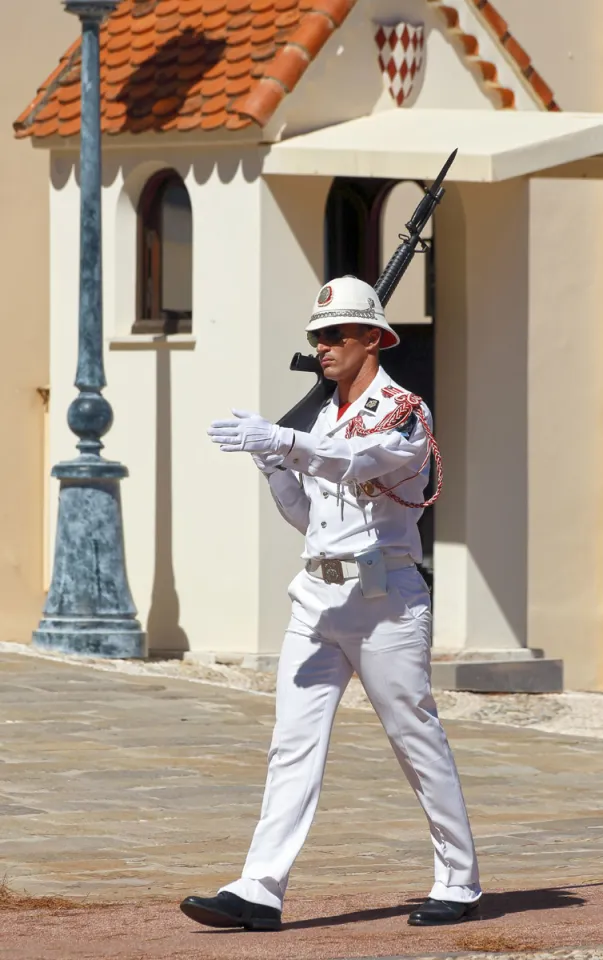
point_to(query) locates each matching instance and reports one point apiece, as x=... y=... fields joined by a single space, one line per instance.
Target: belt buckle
x=332 y=571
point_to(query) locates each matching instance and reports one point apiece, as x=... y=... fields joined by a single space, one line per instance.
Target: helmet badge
x=325 y=296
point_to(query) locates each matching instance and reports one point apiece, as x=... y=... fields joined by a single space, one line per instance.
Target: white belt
x=337 y=571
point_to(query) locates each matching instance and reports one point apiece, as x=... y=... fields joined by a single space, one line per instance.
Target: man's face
x=343 y=349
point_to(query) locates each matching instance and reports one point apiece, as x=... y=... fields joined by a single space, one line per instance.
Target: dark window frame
x=150 y=318
x=368 y=199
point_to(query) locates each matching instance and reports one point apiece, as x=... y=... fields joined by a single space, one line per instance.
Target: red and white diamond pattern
x=401 y=50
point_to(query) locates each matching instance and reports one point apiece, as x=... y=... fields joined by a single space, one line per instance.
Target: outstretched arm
x=334 y=458
x=360 y=458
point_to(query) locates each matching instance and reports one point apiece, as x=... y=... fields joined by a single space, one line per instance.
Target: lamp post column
x=89 y=608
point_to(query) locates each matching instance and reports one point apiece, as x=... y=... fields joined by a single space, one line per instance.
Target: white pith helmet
x=350 y=300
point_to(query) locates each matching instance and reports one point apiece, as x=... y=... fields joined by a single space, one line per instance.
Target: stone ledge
x=474 y=676
x=262 y=662
x=152 y=341
x=470 y=654
x=499 y=676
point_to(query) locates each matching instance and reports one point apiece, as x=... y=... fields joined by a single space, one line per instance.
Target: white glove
x=267 y=463
x=250 y=433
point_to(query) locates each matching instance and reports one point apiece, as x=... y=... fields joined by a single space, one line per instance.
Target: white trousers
x=333 y=632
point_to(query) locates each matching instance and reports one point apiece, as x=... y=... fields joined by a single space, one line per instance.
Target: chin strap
x=406 y=405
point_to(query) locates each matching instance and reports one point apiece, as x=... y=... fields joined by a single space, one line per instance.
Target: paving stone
x=124 y=791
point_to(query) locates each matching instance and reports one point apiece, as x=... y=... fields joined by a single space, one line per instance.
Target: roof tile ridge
x=27 y=118
x=489 y=72
x=292 y=61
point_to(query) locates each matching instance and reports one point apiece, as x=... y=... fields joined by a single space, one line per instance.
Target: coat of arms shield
x=401 y=51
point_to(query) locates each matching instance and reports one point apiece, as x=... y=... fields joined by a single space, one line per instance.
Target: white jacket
x=319 y=492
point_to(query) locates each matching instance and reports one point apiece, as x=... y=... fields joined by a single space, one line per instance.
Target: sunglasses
x=330 y=335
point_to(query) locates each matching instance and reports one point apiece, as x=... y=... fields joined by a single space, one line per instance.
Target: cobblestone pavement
x=120 y=793
x=570 y=712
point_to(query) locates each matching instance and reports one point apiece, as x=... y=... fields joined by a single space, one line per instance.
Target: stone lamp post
x=89 y=609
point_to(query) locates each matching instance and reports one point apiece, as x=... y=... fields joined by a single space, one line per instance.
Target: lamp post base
x=113 y=639
x=89 y=610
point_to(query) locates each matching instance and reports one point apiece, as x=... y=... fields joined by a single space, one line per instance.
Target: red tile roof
x=222 y=64
x=189 y=64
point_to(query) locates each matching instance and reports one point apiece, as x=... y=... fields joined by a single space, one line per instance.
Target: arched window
x=165 y=256
x=350 y=239
x=346 y=223
x=412 y=301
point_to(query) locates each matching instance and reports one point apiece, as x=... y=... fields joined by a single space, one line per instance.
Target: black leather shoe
x=434 y=912
x=228 y=910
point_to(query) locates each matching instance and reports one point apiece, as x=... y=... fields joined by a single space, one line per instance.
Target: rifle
x=303 y=415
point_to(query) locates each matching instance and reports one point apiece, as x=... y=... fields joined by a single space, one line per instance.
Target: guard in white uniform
x=354 y=486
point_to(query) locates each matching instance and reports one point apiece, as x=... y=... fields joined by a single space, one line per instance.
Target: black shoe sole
x=215 y=918
x=471 y=914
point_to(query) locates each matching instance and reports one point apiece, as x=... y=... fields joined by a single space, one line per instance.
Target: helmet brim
x=389 y=337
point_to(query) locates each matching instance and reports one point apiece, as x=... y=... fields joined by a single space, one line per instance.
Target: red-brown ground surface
x=321 y=929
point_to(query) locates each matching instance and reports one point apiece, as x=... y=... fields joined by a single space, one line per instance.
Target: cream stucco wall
x=518 y=560
x=565 y=567
x=519 y=556
x=33 y=35
x=208 y=555
x=481 y=411
x=292 y=272
x=565 y=42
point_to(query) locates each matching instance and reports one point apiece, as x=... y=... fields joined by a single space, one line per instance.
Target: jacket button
x=325 y=493
x=324 y=523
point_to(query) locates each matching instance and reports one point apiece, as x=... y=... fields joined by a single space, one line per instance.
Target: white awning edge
x=414 y=144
